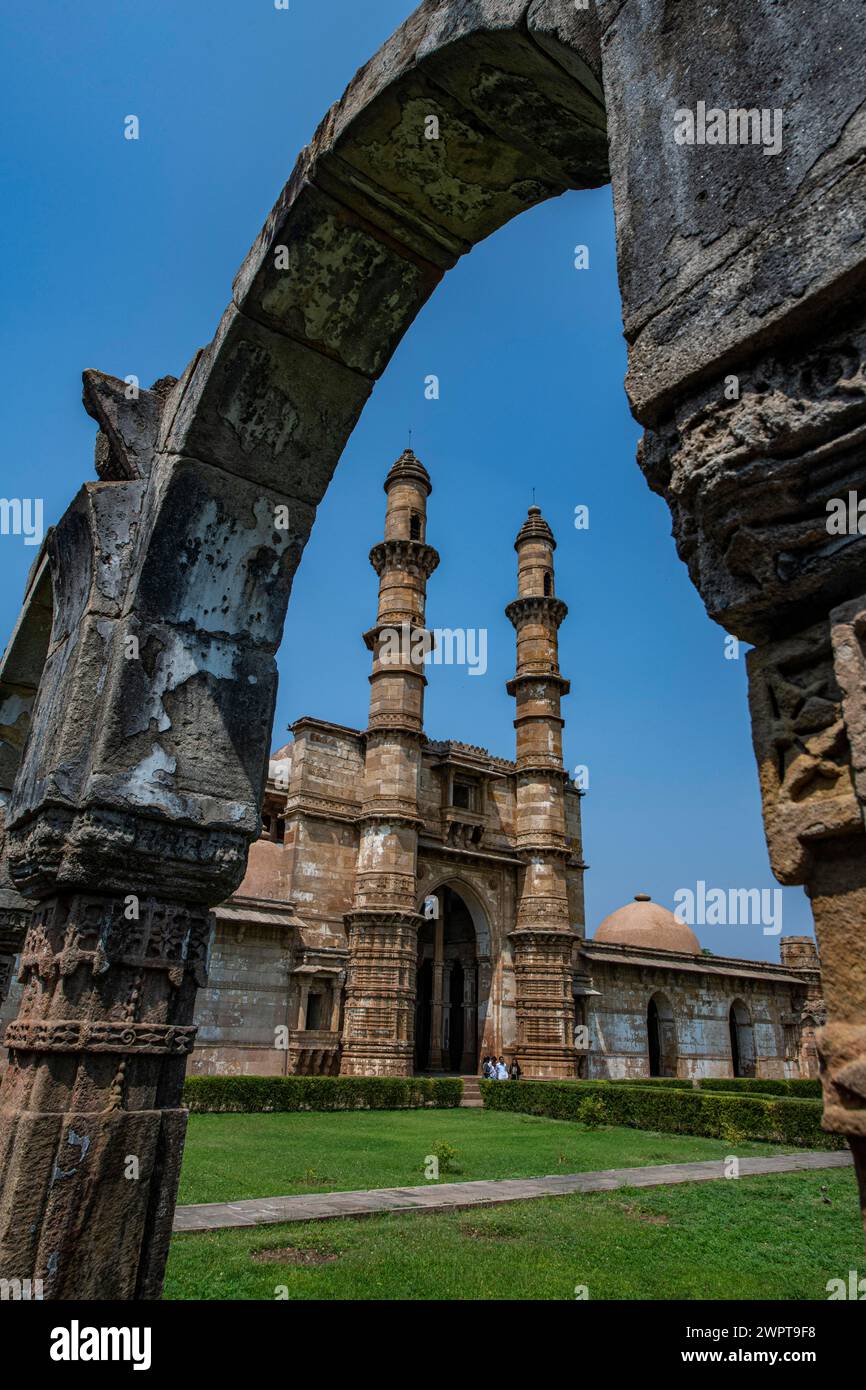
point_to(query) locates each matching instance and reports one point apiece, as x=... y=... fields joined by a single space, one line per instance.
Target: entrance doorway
x=661 y=1037
x=446 y=1001
x=742 y=1040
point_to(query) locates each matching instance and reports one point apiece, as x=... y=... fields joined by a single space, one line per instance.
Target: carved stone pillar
x=20 y=672
x=131 y=813
x=808 y=701
x=437 y=1005
x=93 y=1128
x=302 y=1007
x=336 y=1002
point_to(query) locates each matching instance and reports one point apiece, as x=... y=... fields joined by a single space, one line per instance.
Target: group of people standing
x=496 y=1070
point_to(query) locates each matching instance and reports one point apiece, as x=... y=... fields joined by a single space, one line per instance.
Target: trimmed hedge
x=672 y=1083
x=246 y=1095
x=804 y=1089
x=669 y=1110
x=744 y=1085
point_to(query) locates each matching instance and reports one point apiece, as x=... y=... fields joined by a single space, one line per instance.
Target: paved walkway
x=268 y=1211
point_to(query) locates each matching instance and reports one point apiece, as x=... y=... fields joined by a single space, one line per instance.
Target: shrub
x=251 y=1094
x=672 y=1110
x=446 y=1156
x=591 y=1112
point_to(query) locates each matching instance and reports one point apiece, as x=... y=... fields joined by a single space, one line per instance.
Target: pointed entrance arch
x=451 y=982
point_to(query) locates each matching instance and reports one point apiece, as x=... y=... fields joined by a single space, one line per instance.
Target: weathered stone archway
x=20 y=674
x=452 y=980
x=145 y=766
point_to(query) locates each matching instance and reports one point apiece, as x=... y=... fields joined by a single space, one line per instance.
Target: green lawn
x=229 y=1157
x=779 y=1237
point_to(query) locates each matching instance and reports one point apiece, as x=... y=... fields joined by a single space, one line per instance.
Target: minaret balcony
x=407 y=556
x=536 y=676
x=543 y=842
x=541 y=607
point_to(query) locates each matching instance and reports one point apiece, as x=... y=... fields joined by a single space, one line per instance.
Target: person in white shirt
x=501 y=1070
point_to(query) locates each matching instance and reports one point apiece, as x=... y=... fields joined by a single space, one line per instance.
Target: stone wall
x=245 y=1002
x=700 y=1005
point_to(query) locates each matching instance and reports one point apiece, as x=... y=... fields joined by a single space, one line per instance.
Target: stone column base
x=545 y=1004
x=88 y=1200
x=379 y=1025
x=547 y=1064
x=91 y=1125
x=842 y=1050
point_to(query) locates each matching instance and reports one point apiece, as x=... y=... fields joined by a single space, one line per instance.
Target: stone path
x=268 y=1211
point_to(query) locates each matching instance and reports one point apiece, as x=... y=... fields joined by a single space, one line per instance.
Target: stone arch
x=22 y=666
x=20 y=674
x=742 y=1039
x=746 y=335
x=480 y=909
x=452 y=982
x=662 y=1043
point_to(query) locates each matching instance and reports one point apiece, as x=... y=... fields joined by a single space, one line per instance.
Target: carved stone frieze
x=79 y=1035
x=62 y=847
x=848 y=636
x=801 y=744
x=748 y=480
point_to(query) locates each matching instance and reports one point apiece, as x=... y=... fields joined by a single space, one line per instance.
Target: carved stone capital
x=116 y=851
x=748 y=476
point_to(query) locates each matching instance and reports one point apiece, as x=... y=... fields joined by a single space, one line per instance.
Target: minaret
x=543 y=938
x=378 y=1036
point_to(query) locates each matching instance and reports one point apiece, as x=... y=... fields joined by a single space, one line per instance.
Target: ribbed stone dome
x=411 y=467
x=535 y=528
x=647 y=925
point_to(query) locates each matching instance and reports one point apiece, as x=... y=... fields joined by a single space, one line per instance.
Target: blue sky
x=119 y=255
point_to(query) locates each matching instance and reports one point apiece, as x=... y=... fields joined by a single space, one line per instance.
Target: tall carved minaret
x=543 y=939
x=378 y=1035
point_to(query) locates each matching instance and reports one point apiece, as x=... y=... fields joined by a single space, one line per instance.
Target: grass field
x=230 y=1157
x=779 y=1237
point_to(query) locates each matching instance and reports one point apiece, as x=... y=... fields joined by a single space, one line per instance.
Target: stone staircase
x=471 y=1093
